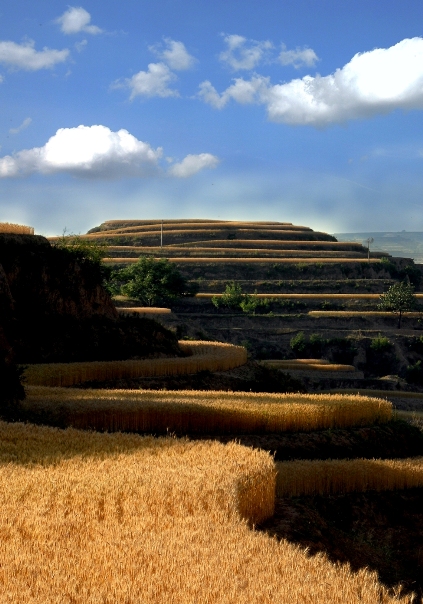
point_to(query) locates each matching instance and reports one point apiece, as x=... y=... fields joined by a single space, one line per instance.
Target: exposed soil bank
x=380 y=531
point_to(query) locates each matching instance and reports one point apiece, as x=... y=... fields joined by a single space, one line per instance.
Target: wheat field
x=308 y=365
x=211 y=356
x=204 y=412
x=143 y=310
x=324 y=477
x=97 y=518
x=17 y=229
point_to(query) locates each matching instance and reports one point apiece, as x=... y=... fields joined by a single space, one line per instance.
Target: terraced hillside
x=292 y=270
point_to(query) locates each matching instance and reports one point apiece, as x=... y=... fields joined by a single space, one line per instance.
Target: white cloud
x=192 y=164
x=24 y=56
x=24 y=125
x=242 y=53
x=153 y=82
x=175 y=55
x=91 y=151
x=372 y=83
x=75 y=20
x=80 y=46
x=242 y=91
x=297 y=57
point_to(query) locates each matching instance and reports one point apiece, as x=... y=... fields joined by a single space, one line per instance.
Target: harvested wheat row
x=378 y=393
x=89 y=518
x=219 y=260
x=205 y=226
x=143 y=310
x=210 y=356
x=203 y=412
x=310 y=297
x=300 y=361
x=304 y=366
x=18 y=229
x=359 y=313
x=345 y=476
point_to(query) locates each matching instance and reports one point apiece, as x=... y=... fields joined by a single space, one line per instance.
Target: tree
x=151 y=281
x=398 y=299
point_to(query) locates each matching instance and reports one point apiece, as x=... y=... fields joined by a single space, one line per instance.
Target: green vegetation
x=82 y=249
x=151 y=282
x=235 y=299
x=381 y=344
x=398 y=299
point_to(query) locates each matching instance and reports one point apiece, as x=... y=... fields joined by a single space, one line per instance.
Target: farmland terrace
x=307 y=282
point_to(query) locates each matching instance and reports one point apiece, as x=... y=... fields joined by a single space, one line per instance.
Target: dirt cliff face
x=53 y=308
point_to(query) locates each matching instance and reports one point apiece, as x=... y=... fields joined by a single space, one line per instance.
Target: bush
x=231 y=297
x=298 y=343
x=381 y=344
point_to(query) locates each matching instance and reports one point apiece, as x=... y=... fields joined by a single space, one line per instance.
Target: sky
x=302 y=111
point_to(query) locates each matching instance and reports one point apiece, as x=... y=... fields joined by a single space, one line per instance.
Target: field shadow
x=380 y=531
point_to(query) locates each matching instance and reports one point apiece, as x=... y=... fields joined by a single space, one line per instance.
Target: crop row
x=307 y=365
x=359 y=313
x=18 y=229
x=344 y=476
x=187 y=226
x=88 y=518
x=173 y=252
x=205 y=412
x=310 y=296
x=211 y=356
x=143 y=311
x=273 y=260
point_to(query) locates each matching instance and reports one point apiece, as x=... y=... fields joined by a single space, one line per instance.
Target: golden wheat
x=303 y=365
x=89 y=518
x=344 y=476
x=143 y=310
x=220 y=260
x=359 y=313
x=204 y=412
x=309 y=296
x=204 y=356
x=18 y=229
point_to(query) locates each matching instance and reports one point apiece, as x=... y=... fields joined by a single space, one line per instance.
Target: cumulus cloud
x=22 y=126
x=175 y=55
x=192 y=164
x=242 y=53
x=154 y=82
x=372 y=83
x=75 y=20
x=297 y=57
x=90 y=151
x=242 y=91
x=97 y=152
x=24 y=56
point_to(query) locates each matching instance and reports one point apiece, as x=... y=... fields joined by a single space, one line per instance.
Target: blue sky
x=307 y=111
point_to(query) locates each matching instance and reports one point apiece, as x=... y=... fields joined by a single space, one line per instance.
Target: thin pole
x=161 y=236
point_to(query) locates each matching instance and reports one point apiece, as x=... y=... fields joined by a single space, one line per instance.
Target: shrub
x=298 y=343
x=381 y=344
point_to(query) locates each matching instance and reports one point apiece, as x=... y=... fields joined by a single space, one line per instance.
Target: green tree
x=151 y=282
x=398 y=299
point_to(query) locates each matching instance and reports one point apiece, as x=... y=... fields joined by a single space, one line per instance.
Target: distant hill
x=400 y=244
